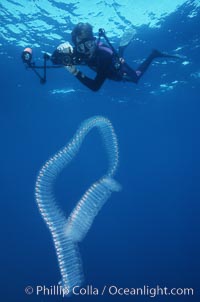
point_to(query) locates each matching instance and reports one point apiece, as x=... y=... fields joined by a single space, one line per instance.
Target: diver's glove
x=65 y=48
x=72 y=69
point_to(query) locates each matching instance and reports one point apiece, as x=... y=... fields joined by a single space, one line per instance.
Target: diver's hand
x=72 y=69
x=65 y=48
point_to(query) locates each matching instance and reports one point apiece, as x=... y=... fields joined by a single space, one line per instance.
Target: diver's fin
x=125 y=40
x=158 y=54
x=127 y=37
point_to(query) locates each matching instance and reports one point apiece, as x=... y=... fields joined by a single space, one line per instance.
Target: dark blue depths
x=148 y=234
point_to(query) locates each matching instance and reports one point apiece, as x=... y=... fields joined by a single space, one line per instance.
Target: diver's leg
x=129 y=74
x=155 y=54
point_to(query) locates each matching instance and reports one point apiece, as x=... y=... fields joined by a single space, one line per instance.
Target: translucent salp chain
x=67 y=233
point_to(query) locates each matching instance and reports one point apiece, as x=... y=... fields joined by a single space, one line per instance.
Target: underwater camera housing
x=60 y=58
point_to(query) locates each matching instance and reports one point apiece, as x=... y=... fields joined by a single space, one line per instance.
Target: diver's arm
x=93 y=84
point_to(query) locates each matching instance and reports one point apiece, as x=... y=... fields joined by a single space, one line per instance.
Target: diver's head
x=83 y=39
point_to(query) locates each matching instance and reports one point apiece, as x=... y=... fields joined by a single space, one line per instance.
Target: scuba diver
x=103 y=59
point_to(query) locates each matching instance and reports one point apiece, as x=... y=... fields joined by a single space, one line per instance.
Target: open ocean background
x=148 y=234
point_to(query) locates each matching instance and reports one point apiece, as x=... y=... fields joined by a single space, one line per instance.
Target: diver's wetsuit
x=107 y=66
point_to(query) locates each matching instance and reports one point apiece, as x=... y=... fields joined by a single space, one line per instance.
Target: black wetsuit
x=107 y=66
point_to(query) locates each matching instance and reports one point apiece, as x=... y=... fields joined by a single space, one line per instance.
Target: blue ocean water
x=148 y=234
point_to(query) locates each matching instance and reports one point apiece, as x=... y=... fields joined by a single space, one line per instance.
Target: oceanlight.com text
x=112 y=290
